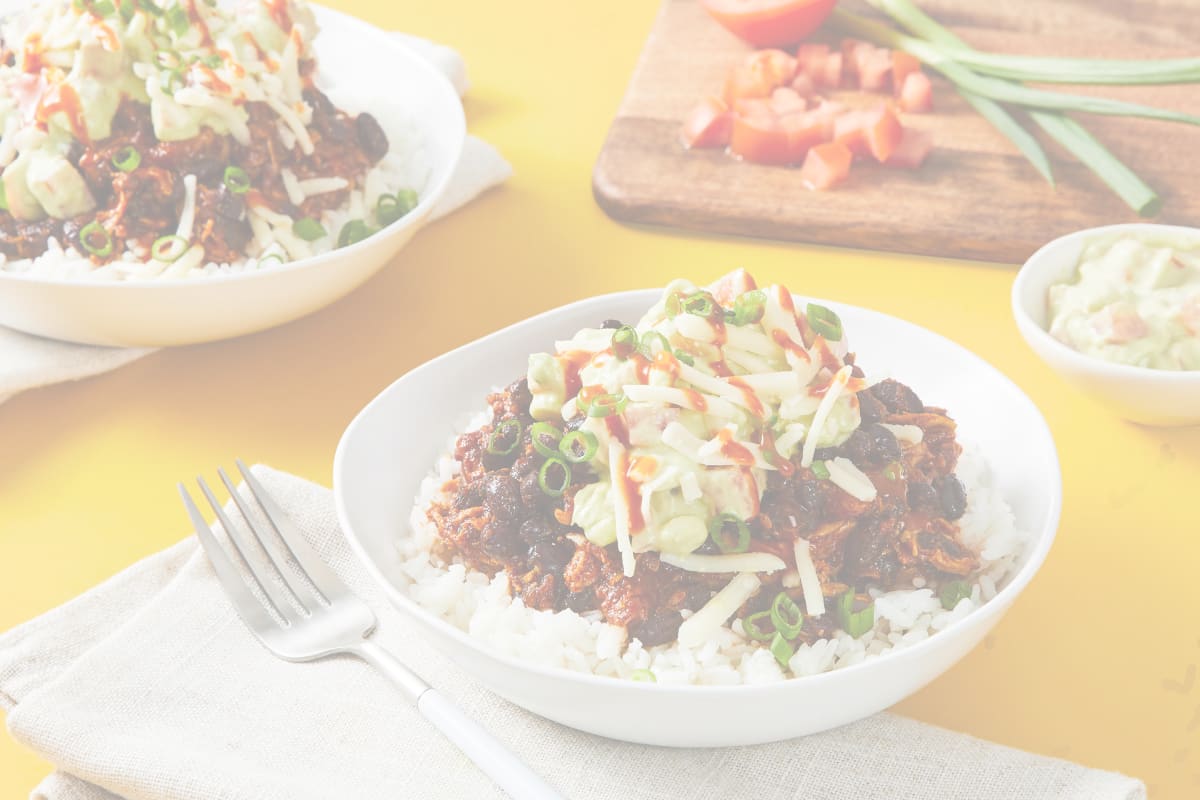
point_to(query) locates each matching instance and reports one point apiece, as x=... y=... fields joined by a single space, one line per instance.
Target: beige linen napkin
x=150 y=688
x=27 y=362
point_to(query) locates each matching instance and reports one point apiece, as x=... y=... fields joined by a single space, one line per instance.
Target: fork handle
x=496 y=760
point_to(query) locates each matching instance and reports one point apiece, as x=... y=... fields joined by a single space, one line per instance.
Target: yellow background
x=1097 y=661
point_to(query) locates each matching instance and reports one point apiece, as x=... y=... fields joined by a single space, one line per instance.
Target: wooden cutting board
x=975 y=197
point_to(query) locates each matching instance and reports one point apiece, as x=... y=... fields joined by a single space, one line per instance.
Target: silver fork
x=324 y=618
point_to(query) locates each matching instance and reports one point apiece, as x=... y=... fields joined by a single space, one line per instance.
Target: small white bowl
x=396 y=440
x=374 y=72
x=1139 y=394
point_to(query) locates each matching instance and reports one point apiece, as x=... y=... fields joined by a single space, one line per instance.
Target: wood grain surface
x=975 y=197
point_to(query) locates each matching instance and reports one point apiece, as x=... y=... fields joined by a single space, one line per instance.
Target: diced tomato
x=810 y=57
x=874 y=68
x=914 y=147
x=730 y=287
x=744 y=82
x=849 y=131
x=850 y=55
x=805 y=130
x=708 y=125
x=804 y=85
x=770 y=23
x=754 y=107
x=831 y=74
x=826 y=114
x=917 y=94
x=883 y=133
x=786 y=100
x=903 y=65
x=760 y=138
x=826 y=165
x=777 y=66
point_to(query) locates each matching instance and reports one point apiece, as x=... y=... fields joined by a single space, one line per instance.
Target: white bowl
x=354 y=56
x=1139 y=394
x=395 y=441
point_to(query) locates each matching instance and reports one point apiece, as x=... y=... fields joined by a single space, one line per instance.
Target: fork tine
x=327 y=583
x=244 y=601
x=277 y=599
x=307 y=597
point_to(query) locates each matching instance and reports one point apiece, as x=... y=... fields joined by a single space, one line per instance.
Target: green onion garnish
x=787 y=616
x=96 y=240
x=825 y=322
x=168 y=248
x=392 y=207
x=578 y=447
x=353 y=232
x=171 y=79
x=759 y=627
x=127 y=159
x=545 y=438
x=213 y=61
x=699 y=304
x=673 y=305
x=653 y=343
x=748 y=308
x=685 y=358
x=103 y=8
x=150 y=6
x=505 y=437
x=271 y=259
x=782 y=651
x=178 y=21
x=643 y=675
x=624 y=341
x=237 y=181
x=554 y=477
x=894 y=471
x=603 y=405
x=308 y=229
x=820 y=470
x=953 y=592
x=127 y=8
x=718 y=530
x=855 y=623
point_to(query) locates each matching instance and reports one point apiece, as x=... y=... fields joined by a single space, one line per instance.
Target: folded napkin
x=27 y=362
x=149 y=687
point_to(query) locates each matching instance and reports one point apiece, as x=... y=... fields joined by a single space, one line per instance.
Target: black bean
x=553 y=554
x=537 y=529
x=319 y=102
x=501 y=496
x=611 y=324
x=501 y=540
x=884 y=447
x=371 y=138
x=581 y=601
x=952 y=496
x=870 y=408
x=898 y=398
x=923 y=497
x=826 y=453
x=521 y=396
x=660 y=628
x=858 y=448
x=230 y=205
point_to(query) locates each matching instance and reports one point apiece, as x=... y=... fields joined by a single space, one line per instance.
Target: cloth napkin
x=27 y=362
x=149 y=687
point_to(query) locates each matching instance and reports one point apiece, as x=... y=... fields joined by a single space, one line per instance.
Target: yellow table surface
x=1095 y=663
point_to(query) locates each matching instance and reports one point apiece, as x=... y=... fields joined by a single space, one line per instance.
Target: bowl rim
x=414 y=218
x=1036 y=556
x=1038 y=337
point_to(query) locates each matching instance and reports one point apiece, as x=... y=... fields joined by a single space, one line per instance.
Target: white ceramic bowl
x=1139 y=394
x=395 y=441
x=365 y=64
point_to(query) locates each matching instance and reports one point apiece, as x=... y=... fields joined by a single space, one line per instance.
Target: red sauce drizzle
x=279 y=13
x=737 y=453
x=717 y=320
x=828 y=359
x=786 y=302
x=721 y=369
x=62 y=97
x=668 y=363
x=206 y=39
x=697 y=401
x=571 y=363
x=783 y=340
x=212 y=79
x=752 y=402
x=642 y=365
x=31 y=54
x=767 y=441
x=617 y=429
x=106 y=35
x=262 y=54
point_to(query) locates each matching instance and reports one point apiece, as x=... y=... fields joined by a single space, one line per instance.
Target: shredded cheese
x=616 y=471
x=912 y=434
x=814 y=598
x=292 y=186
x=822 y=416
x=700 y=627
x=727 y=562
x=669 y=395
x=188 y=218
x=850 y=479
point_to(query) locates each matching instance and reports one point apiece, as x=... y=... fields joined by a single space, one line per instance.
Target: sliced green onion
x=150 y=6
x=308 y=229
x=127 y=8
x=603 y=405
x=782 y=651
x=855 y=623
x=178 y=21
x=552 y=485
x=505 y=438
x=717 y=531
x=392 y=207
x=168 y=248
x=759 y=627
x=673 y=305
x=271 y=259
x=103 y=8
x=825 y=322
x=127 y=159
x=96 y=240
x=653 y=343
x=624 y=341
x=353 y=232
x=787 y=616
x=545 y=438
x=749 y=307
x=894 y=471
x=685 y=358
x=643 y=675
x=171 y=79
x=578 y=447
x=820 y=470
x=213 y=61
x=699 y=304
x=236 y=180
x=953 y=592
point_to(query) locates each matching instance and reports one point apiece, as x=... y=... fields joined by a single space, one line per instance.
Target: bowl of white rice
x=395 y=458
x=131 y=301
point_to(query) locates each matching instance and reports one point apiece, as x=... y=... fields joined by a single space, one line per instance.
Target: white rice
x=483 y=607
x=406 y=166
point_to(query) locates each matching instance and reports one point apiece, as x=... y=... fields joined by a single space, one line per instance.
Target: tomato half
x=770 y=23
